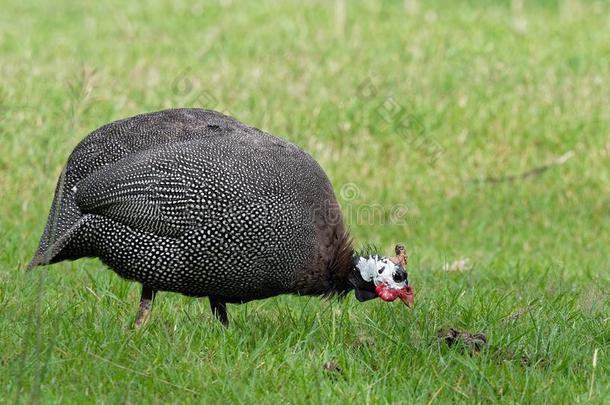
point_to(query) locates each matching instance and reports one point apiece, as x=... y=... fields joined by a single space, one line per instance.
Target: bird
x=195 y=202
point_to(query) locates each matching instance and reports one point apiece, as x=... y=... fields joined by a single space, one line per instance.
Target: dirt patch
x=332 y=369
x=476 y=344
x=468 y=342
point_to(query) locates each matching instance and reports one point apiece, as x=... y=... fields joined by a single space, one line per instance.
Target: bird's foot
x=143 y=313
x=146 y=302
x=219 y=308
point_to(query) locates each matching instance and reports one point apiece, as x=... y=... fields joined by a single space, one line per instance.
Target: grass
x=406 y=110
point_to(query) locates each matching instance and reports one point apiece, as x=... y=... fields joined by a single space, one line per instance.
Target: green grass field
x=413 y=112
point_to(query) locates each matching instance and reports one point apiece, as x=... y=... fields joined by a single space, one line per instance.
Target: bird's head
x=377 y=276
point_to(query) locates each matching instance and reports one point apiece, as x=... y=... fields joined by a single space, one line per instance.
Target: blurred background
x=411 y=103
x=477 y=133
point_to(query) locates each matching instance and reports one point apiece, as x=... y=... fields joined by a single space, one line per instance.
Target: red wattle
x=386 y=294
x=390 y=294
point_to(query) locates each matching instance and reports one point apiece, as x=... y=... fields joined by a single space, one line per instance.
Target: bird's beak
x=406 y=296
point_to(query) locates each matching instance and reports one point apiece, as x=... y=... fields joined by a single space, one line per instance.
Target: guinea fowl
x=195 y=202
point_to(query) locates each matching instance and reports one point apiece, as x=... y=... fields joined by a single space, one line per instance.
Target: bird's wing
x=151 y=191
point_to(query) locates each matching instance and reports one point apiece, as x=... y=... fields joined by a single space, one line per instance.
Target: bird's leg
x=219 y=308
x=146 y=301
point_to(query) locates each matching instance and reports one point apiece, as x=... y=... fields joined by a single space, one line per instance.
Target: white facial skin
x=379 y=269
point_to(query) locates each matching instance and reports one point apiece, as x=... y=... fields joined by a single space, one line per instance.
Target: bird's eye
x=399 y=276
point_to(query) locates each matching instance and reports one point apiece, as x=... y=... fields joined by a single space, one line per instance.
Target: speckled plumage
x=193 y=201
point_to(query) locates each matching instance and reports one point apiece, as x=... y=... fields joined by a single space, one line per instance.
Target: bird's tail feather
x=56 y=251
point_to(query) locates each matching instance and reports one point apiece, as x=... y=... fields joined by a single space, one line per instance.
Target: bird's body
x=195 y=202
